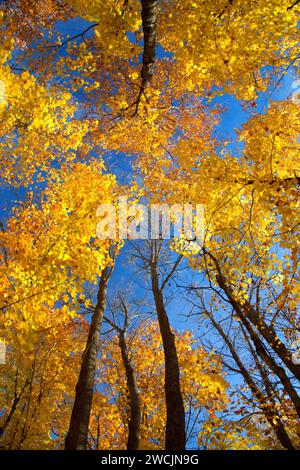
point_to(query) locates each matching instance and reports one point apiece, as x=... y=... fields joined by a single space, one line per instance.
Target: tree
x=175 y=438
x=264 y=394
x=78 y=430
x=203 y=387
x=40 y=371
x=44 y=269
x=134 y=425
x=71 y=102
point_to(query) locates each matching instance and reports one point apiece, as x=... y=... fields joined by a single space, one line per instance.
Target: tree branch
x=293 y=5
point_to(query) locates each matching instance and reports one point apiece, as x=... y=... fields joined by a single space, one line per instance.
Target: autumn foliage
x=104 y=99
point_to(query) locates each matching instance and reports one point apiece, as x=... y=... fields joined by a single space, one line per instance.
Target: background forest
x=114 y=343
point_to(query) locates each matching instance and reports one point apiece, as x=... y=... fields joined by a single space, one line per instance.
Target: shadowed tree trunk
x=134 y=427
x=249 y=317
x=248 y=311
x=272 y=364
x=276 y=421
x=175 y=428
x=149 y=20
x=270 y=415
x=76 y=438
x=17 y=398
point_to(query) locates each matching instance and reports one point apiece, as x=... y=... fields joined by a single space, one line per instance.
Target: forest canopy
x=117 y=333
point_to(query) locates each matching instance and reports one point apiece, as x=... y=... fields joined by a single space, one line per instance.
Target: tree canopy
x=119 y=343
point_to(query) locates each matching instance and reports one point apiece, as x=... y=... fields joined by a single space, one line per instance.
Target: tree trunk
x=266 y=331
x=272 y=364
x=76 y=438
x=276 y=421
x=175 y=429
x=278 y=428
x=134 y=428
x=245 y=311
x=269 y=335
x=149 y=20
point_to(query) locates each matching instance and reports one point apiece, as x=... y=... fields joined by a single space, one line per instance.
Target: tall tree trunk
x=76 y=438
x=175 y=429
x=269 y=335
x=9 y=416
x=134 y=428
x=248 y=311
x=272 y=364
x=278 y=428
x=249 y=317
x=277 y=422
x=149 y=20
